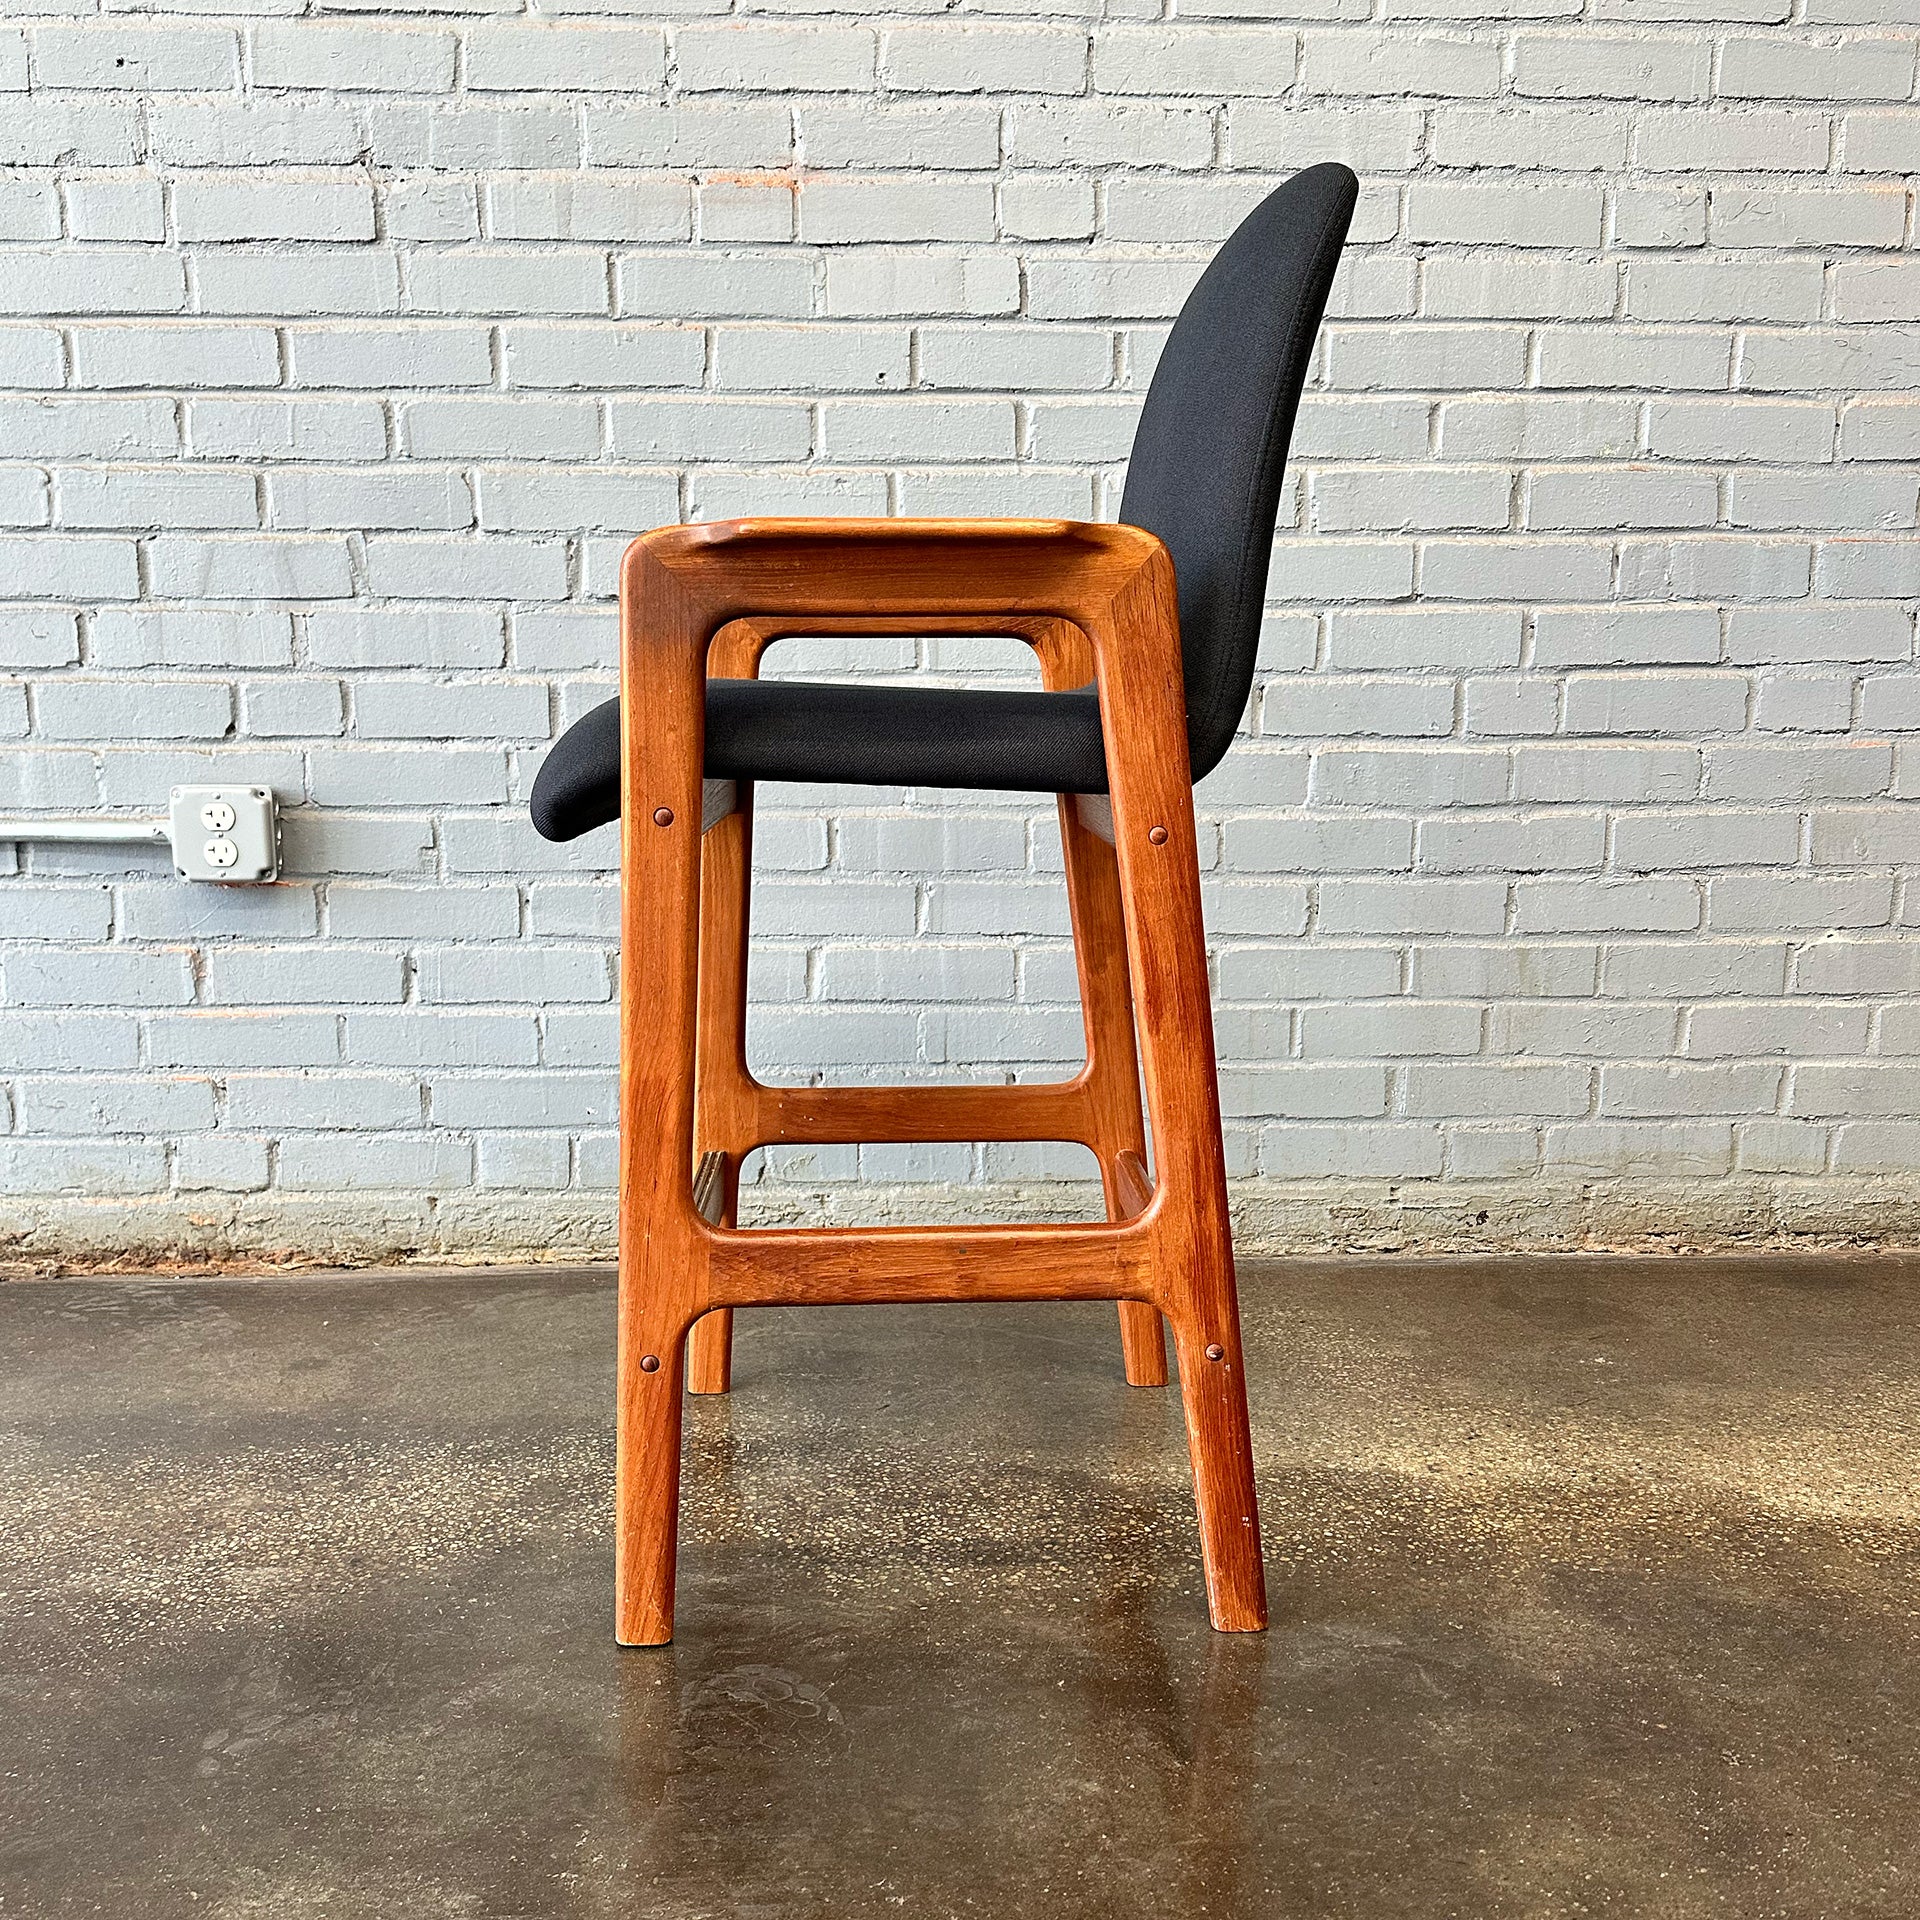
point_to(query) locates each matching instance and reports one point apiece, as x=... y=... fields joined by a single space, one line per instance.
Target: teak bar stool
x=1161 y=613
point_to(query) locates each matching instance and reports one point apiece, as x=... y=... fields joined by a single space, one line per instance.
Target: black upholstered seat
x=1204 y=474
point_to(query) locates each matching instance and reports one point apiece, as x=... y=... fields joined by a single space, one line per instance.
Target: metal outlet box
x=224 y=833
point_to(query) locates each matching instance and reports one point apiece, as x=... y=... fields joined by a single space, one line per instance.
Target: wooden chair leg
x=722 y=1099
x=1159 y=886
x=1113 y=1067
x=647 y=1509
x=1213 y=1392
x=710 y=1350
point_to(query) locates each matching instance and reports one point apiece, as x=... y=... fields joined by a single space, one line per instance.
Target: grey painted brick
x=1332 y=844
x=1570 y=1029
x=348 y=498
x=356 y=58
x=1268 y=974
x=96 y=977
x=991 y=59
x=1816 y=903
x=266 y=567
x=1577 y=139
x=1656 y=703
x=559 y=206
x=444 y=710
x=1782 y=1027
x=1745 y=141
x=1529 y=843
x=566 y=57
x=1305 y=1092
x=335 y=1163
x=116 y=57
x=1782 y=69
x=1325 y=706
x=287 y=429
x=1366 y=62
x=51 y=1167
x=36 y=777
x=1665 y=905
x=1521 y=972
x=1108 y=133
x=148 y=709
x=297 y=131
x=732 y=133
x=340 y=280
x=507 y=974
x=948 y=133
x=1500 y=706
x=1371 y=1152
x=877 y=281
x=169 y=911
x=495 y=281
x=1857 y=1088
x=1496 y=1087
x=1551 y=427
x=1812 y=630
x=85 y=1106
x=1780 y=1146
x=281 y=207
x=336 y=1103
x=524 y=1100
x=1783 y=772
x=1411 y=906
x=804 y=59
x=607 y=355
x=522 y=1160
x=1210 y=61
x=387 y=357
x=1604 y=66
x=228 y=1163
x=323 y=976
x=78 y=913
x=1885 y=1146
x=197 y=637
x=1616 y=1149
x=1657 y=840
x=792 y=359
x=1407 y=1029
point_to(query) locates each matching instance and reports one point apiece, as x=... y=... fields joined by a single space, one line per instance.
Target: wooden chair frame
x=1095 y=601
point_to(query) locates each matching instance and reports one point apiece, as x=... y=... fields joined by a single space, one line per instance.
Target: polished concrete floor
x=1595 y=1590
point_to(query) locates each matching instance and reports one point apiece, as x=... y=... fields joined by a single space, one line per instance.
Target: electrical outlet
x=224 y=833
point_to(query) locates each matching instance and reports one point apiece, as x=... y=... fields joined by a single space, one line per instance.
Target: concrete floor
x=1595 y=1591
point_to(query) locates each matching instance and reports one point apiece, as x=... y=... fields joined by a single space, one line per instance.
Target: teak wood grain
x=1095 y=602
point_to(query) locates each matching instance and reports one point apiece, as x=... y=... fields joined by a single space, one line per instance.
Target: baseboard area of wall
x=1273 y=1219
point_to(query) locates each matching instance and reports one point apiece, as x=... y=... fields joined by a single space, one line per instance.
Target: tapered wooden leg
x=1143 y=1347
x=647 y=1475
x=722 y=1099
x=1113 y=1071
x=1214 y=1395
x=710 y=1352
x=1159 y=880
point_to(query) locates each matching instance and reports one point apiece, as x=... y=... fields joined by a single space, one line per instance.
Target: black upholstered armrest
x=578 y=785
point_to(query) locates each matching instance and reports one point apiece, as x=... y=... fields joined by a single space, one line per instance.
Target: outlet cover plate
x=230 y=834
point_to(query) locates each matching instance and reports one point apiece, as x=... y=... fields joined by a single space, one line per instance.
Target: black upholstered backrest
x=1212 y=441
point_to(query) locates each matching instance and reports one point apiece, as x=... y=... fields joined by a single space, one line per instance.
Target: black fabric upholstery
x=1211 y=447
x=867 y=735
x=1205 y=476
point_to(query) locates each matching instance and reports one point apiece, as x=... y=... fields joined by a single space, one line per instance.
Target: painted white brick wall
x=1561 y=888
